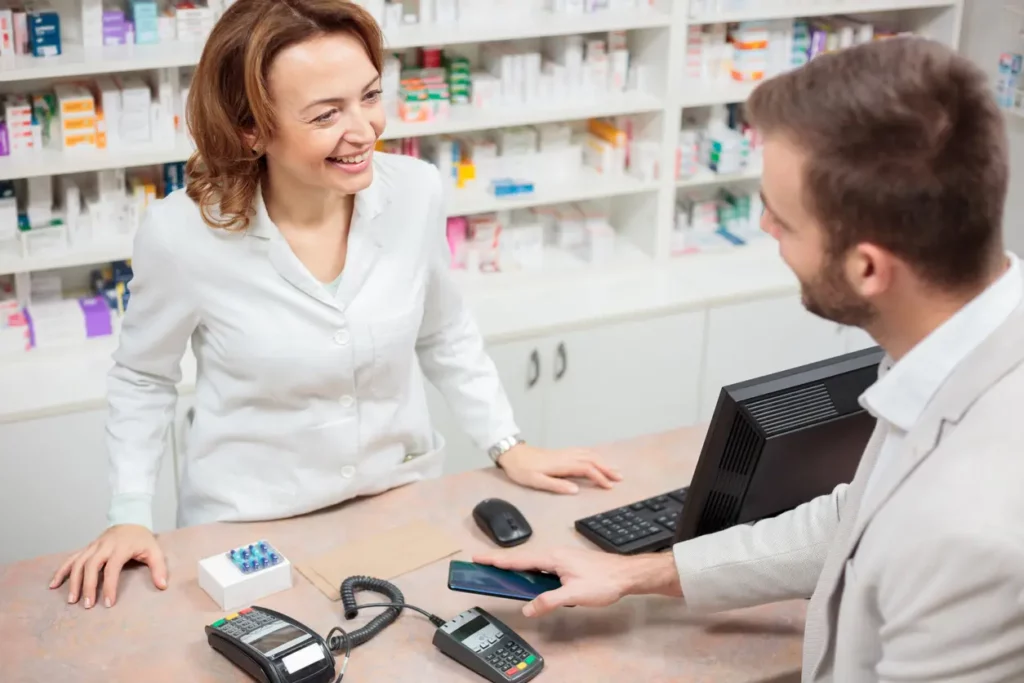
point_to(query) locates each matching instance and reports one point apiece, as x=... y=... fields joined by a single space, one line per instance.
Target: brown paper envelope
x=382 y=556
x=320 y=582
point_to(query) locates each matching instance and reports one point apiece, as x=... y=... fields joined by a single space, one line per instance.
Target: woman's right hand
x=109 y=553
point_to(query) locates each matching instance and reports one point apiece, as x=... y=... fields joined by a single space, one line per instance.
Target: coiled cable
x=380 y=622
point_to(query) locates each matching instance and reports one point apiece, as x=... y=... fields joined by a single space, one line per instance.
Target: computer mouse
x=502 y=522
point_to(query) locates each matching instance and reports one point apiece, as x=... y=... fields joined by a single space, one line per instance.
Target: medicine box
x=231 y=580
x=44 y=33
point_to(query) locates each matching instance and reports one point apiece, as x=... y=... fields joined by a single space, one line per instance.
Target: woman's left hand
x=539 y=468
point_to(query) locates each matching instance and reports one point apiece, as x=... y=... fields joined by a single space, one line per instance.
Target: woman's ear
x=251 y=140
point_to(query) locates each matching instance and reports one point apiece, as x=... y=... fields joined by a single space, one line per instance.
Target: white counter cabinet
x=55 y=490
x=592 y=385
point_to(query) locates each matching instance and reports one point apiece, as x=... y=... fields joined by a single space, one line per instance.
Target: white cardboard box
x=232 y=590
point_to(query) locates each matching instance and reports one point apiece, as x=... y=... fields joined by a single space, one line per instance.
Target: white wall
x=989 y=30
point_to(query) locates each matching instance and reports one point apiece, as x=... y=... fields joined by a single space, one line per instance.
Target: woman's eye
x=373 y=95
x=326 y=116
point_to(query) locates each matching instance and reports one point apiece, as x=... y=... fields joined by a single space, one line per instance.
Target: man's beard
x=829 y=296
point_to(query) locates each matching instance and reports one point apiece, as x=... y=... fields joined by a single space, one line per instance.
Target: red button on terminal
x=245 y=611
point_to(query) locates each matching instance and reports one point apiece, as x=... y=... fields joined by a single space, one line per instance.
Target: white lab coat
x=302 y=399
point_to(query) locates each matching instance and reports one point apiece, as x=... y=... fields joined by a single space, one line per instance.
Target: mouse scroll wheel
x=511 y=521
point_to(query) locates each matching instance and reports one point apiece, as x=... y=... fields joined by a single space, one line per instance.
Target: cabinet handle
x=534 y=375
x=563 y=361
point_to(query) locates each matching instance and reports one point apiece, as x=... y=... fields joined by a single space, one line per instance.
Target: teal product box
x=44 y=34
x=146 y=19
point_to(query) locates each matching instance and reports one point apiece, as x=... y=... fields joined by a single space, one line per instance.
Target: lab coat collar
x=365 y=240
x=369 y=204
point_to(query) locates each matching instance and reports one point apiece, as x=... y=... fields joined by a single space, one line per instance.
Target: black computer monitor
x=778 y=441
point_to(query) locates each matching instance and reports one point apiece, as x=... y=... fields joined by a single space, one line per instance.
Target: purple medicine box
x=97 y=316
x=114 y=28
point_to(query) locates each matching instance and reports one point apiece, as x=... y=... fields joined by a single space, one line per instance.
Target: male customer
x=885 y=177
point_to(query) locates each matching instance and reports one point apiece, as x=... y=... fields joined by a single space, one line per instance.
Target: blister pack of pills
x=254 y=557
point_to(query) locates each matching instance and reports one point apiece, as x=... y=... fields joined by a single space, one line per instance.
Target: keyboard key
x=679 y=494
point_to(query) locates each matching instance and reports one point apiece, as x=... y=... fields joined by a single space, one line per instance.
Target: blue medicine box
x=146 y=19
x=44 y=33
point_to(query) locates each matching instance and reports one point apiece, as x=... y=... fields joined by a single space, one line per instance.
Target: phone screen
x=503 y=583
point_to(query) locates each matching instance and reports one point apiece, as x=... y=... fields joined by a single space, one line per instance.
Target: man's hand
x=537 y=468
x=590 y=578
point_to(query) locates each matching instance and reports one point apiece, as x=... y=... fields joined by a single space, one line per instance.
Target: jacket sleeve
x=141 y=387
x=953 y=602
x=775 y=559
x=450 y=346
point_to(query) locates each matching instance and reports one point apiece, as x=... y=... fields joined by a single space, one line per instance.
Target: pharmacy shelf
x=568 y=293
x=467 y=118
x=588 y=185
x=58 y=162
x=540 y=25
x=79 y=61
x=461 y=119
x=707 y=93
x=103 y=253
x=817 y=8
x=706 y=177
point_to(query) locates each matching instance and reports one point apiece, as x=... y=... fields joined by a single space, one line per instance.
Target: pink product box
x=457 y=228
x=14 y=332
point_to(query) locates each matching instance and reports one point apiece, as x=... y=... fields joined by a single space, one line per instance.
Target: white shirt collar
x=902 y=394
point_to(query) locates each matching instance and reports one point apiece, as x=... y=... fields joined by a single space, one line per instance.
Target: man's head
x=885 y=174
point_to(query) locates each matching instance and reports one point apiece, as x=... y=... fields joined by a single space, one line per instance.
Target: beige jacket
x=927 y=582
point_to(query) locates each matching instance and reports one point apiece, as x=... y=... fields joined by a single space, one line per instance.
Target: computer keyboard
x=641 y=527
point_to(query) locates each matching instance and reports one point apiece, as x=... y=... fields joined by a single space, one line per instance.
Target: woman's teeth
x=357 y=159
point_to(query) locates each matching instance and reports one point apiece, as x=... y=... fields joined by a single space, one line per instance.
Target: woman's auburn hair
x=228 y=97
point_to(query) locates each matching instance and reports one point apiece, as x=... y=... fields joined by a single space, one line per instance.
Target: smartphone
x=469 y=577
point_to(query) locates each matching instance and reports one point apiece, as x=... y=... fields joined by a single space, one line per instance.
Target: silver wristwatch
x=504 y=446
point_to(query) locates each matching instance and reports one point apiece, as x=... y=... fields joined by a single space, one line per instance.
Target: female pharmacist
x=310 y=274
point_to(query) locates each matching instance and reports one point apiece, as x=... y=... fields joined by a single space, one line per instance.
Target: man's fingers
x=548 y=602
x=518 y=561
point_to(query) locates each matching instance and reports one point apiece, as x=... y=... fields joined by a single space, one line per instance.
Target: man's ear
x=870 y=269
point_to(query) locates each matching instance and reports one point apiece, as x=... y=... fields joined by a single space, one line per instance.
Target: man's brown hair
x=906 y=150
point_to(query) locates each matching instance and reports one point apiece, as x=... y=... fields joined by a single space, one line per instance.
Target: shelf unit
x=643 y=211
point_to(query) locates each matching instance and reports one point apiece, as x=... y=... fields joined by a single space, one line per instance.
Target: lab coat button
x=348 y=471
x=341 y=337
x=347 y=401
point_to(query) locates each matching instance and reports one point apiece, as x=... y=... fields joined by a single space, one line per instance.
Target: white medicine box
x=242 y=576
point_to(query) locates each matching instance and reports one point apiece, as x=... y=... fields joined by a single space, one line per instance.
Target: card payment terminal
x=485 y=645
x=271 y=647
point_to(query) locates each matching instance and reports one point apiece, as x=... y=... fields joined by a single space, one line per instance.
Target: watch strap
x=504 y=446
